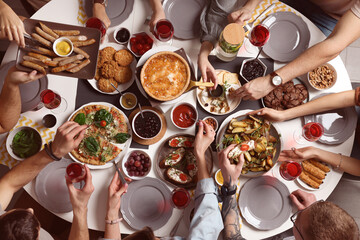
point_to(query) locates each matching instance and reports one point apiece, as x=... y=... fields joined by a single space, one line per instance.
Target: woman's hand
x=11 y=26
x=298 y=155
x=115 y=191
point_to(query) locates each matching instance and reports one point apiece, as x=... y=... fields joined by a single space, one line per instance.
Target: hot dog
x=79 y=66
x=35 y=60
x=84 y=43
x=71 y=59
x=44 y=34
x=33 y=66
x=76 y=38
x=41 y=40
x=63 y=68
x=45 y=51
x=67 y=32
x=39 y=56
x=48 y=30
x=82 y=52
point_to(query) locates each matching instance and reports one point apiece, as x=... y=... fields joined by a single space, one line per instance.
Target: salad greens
x=122 y=137
x=26 y=143
x=91 y=145
x=101 y=115
x=80 y=118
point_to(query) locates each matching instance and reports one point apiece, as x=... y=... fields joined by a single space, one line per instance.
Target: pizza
x=107 y=127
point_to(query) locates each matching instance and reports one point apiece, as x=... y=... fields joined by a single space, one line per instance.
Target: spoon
x=128 y=101
x=141 y=112
x=116 y=89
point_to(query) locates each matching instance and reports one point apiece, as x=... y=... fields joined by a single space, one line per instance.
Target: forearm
x=322 y=104
x=112 y=231
x=231 y=218
x=251 y=4
x=202 y=166
x=79 y=229
x=206 y=48
x=156 y=5
x=21 y=175
x=10 y=103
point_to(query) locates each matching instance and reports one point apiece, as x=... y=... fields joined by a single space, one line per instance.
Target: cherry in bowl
x=136 y=164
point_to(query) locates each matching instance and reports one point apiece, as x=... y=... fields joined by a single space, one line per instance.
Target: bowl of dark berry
x=136 y=164
x=147 y=124
x=122 y=35
x=252 y=68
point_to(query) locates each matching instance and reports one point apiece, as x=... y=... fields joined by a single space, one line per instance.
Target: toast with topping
x=177 y=176
x=172 y=158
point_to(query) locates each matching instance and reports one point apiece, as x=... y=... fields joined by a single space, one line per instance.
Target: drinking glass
x=258 y=36
x=290 y=170
x=311 y=132
x=164 y=31
x=98 y=24
x=180 y=198
x=75 y=172
x=53 y=101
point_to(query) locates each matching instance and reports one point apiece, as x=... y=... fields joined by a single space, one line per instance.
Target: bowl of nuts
x=322 y=77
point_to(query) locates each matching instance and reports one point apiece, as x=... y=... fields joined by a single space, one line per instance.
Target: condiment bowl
x=321 y=85
x=11 y=136
x=219 y=179
x=125 y=31
x=144 y=39
x=194 y=119
x=63 y=39
x=216 y=124
x=249 y=60
x=138 y=116
x=124 y=96
x=125 y=163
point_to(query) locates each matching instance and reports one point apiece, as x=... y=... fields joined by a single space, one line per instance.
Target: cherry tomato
x=139 y=47
x=141 y=52
x=147 y=47
x=174 y=142
x=183 y=177
x=175 y=156
x=133 y=41
x=188 y=143
x=244 y=147
x=134 y=49
x=190 y=167
x=138 y=38
x=149 y=40
x=103 y=123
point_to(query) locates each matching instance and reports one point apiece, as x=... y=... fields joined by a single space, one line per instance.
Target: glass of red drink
x=180 y=198
x=290 y=170
x=53 y=101
x=98 y=24
x=258 y=36
x=75 y=172
x=164 y=30
x=311 y=132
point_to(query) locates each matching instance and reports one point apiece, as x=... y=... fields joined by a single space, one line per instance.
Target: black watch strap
x=48 y=150
x=228 y=191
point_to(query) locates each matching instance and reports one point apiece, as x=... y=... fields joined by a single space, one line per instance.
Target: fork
x=249 y=26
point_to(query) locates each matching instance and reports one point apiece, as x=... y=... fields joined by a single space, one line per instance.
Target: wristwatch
x=103 y=2
x=228 y=191
x=276 y=80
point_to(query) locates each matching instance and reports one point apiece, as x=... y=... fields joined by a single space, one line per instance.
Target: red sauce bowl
x=184 y=115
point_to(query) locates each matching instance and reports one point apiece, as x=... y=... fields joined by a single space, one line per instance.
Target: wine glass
x=258 y=36
x=164 y=31
x=98 y=24
x=53 y=101
x=311 y=132
x=180 y=198
x=290 y=170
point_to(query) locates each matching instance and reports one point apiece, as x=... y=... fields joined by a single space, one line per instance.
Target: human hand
x=297 y=155
x=302 y=199
x=11 y=26
x=203 y=140
x=15 y=77
x=115 y=191
x=230 y=172
x=255 y=89
x=100 y=13
x=269 y=113
x=155 y=17
x=80 y=197
x=240 y=16
x=68 y=137
x=207 y=70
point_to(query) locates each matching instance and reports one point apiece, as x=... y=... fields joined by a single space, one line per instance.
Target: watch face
x=276 y=80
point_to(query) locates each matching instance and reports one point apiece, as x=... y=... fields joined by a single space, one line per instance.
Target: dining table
x=72 y=12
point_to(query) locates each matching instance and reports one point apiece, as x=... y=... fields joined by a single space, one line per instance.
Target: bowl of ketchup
x=184 y=115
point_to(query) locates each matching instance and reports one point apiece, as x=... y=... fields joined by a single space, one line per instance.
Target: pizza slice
x=118 y=130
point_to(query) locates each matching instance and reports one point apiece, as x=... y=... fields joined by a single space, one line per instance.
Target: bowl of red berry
x=136 y=164
x=140 y=43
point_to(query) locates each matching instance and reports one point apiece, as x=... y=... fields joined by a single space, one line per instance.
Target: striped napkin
x=81 y=12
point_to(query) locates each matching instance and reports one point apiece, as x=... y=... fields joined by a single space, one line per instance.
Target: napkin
x=46 y=134
x=81 y=12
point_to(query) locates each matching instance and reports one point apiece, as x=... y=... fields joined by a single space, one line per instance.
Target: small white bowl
x=216 y=122
x=182 y=103
x=248 y=60
x=115 y=33
x=121 y=98
x=10 y=137
x=138 y=115
x=125 y=159
x=330 y=86
x=61 y=39
x=216 y=180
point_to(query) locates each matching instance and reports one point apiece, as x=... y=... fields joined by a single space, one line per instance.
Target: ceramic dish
x=125 y=159
x=330 y=85
x=338 y=124
x=30 y=92
x=325 y=183
x=194 y=118
x=124 y=95
x=248 y=60
x=289 y=36
x=139 y=115
x=214 y=120
x=256 y=193
x=122 y=86
x=124 y=146
x=147 y=203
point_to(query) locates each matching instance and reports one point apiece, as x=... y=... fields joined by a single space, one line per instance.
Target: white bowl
x=125 y=159
x=65 y=40
x=248 y=60
x=182 y=103
x=130 y=93
x=10 y=137
x=216 y=122
x=330 y=86
x=216 y=180
x=116 y=31
x=138 y=114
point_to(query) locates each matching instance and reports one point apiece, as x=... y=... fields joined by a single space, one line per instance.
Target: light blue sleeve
x=207 y=222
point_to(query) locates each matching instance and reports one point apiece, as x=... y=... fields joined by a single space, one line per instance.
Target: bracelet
x=338 y=166
x=113 y=221
x=49 y=152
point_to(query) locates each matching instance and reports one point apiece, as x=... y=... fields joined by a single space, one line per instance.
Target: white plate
x=124 y=146
x=326 y=181
x=233 y=103
x=122 y=86
x=51 y=189
x=145 y=57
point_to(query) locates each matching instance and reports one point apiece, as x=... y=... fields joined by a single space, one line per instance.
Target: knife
x=121 y=177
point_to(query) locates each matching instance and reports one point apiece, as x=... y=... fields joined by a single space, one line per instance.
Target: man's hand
x=15 y=77
x=297 y=155
x=80 y=197
x=68 y=137
x=157 y=15
x=207 y=70
x=230 y=172
x=255 y=89
x=269 y=113
x=115 y=191
x=203 y=140
x=100 y=13
x=11 y=26
x=302 y=199
x=240 y=16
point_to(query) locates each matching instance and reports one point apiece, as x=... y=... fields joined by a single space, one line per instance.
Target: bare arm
x=158 y=13
x=207 y=70
x=244 y=13
x=79 y=229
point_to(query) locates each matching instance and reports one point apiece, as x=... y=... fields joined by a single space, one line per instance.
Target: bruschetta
x=181 y=142
x=177 y=176
x=172 y=158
